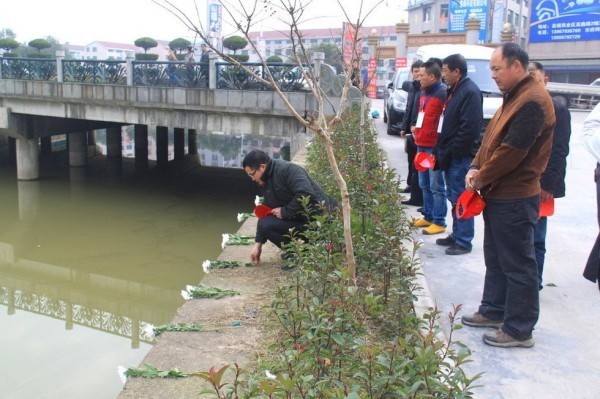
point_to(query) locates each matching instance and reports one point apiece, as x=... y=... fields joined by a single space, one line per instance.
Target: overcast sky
x=83 y=21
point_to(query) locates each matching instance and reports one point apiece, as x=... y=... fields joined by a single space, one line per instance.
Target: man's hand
x=255 y=254
x=471 y=183
x=402 y=133
x=276 y=212
x=545 y=195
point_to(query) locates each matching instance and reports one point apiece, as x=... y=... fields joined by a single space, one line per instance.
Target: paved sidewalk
x=564 y=361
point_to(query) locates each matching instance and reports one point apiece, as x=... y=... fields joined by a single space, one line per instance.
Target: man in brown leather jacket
x=507 y=169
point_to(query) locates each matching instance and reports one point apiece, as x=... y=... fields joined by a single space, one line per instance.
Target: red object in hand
x=423 y=161
x=547 y=207
x=262 y=210
x=469 y=204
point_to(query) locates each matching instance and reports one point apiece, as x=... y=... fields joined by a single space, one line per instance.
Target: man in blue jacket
x=461 y=126
x=282 y=185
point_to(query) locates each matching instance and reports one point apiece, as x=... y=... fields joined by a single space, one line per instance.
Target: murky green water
x=85 y=264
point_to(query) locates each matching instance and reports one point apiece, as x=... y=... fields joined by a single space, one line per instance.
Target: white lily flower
x=185 y=295
x=189 y=288
x=148 y=330
x=225 y=241
x=269 y=375
x=206 y=266
x=121 y=371
x=257 y=201
x=240 y=217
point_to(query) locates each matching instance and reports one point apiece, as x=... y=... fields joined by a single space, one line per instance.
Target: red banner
x=401 y=62
x=372 y=76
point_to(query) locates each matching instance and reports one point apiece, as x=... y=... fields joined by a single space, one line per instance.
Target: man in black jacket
x=282 y=185
x=460 y=127
x=553 y=178
x=408 y=125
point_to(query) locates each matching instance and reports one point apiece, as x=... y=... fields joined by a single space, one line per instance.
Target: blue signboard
x=561 y=21
x=461 y=10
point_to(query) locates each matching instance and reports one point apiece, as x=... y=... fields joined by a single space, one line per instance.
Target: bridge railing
x=288 y=77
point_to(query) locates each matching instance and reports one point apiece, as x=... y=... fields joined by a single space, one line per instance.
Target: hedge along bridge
x=40 y=98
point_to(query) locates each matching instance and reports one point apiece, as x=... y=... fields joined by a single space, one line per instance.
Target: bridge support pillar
x=28 y=163
x=140 y=137
x=91 y=143
x=45 y=146
x=192 y=141
x=114 y=145
x=4 y=150
x=179 y=143
x=77 y=149
x=162 y=146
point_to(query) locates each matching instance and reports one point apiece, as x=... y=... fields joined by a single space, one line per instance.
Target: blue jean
x=539 y=241
x=463 y=230
x=434 y=194
x=510 y=291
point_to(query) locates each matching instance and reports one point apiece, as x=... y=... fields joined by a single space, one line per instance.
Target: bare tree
x=244 y=15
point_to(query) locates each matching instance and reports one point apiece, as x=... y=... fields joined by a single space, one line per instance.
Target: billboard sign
x=460 y=11
x=215 y=21
x=562 y=21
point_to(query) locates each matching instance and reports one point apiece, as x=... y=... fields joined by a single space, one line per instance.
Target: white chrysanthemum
x=225 y=241
x=240 y=217
x=185 y=295
x=206 y=266
x=257 y=201
x=189 y=288
x=148 y=330
x=269 y=375
x=121 y=371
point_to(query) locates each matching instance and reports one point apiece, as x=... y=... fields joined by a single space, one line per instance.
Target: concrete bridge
x=32 y=111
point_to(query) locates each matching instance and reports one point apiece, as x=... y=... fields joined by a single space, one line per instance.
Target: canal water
x=89 y=257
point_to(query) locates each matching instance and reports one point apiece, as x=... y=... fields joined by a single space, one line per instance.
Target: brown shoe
x=502 y=340
x=479 y=320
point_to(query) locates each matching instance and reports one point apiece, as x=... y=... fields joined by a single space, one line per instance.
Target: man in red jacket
x=427 y=128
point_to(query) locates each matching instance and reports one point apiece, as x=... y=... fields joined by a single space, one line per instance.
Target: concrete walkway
x=564 y=361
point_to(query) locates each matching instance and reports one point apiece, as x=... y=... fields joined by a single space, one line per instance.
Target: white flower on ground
x=225 y=241
x=257 y=201
x=189 y=288
x=185 y=295
x=240 y=217
x=148 y=330
x=269 y=375
x=206 y=266
x=121 y=371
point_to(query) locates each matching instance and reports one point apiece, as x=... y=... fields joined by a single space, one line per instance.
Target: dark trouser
x=539 y=241
x=277 y=230
x=592 y=267
x=412 y=179
x=510 y=291
x=411 y=150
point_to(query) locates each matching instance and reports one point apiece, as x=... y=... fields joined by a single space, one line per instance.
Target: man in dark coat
x=408 y=125
x=553 y=178
x=461 y=126
x=282 y=185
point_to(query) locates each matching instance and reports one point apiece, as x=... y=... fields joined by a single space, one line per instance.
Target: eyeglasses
x=253 y=173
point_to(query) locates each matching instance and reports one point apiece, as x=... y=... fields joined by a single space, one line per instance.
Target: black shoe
x=409 y=202
x=445 y=242
x=420 y=209
x=406 y=190
x=457 y=250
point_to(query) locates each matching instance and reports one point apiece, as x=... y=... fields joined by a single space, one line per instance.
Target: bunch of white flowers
x=225 y=241
x=206 y=266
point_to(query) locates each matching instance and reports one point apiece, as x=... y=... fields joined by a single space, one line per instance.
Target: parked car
x=595 y=82
x=395 y=103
